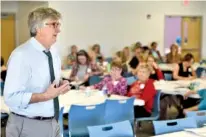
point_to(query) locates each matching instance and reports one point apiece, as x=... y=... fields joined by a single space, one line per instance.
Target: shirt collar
x=37 y=45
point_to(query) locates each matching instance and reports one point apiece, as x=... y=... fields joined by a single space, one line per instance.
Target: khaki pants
x=18 y=126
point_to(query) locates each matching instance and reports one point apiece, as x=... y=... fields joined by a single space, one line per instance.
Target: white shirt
x=28 y=72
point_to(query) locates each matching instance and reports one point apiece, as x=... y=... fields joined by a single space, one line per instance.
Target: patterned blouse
x=119 y=88
x=93 y=67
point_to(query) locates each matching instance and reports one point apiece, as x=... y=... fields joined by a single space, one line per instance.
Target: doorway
x=185 y=31
x=7 y=35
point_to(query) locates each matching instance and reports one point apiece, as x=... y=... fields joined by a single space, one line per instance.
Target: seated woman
x=125 y=55
x=184 y=70
x=156 y=73
x=136 y=58
x=114 y=82
x=156 y=52
x=143 y=89
x=173 y=56
x=201 y=105
x=71 y=59
x=146 y=52
x=97 y=51
x=83 y=69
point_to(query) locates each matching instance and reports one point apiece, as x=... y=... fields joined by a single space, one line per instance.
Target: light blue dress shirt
x=28 y=73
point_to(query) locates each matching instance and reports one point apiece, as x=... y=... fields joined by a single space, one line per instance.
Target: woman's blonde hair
x=37 y=18
x=143 y=66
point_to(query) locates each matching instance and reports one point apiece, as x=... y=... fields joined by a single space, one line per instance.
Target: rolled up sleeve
x=16 y=93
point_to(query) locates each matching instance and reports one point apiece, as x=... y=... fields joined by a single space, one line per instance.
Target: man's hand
x=53 y=92
x=68 y=87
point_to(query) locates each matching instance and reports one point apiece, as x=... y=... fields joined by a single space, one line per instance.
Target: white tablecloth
x=178 y=87
x=66 y=73
x=80 y=98
x=198 y=132
x=170 y=67
x=94 y=97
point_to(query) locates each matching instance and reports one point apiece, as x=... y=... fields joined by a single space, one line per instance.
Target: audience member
x=114 y=82
x=173 y=56
x=83 y=69
x=156 y=52
x=143 y=89
x=97 y=51
x=201 y=105
x=184 y=70
x=156 y=73
x=71 y=59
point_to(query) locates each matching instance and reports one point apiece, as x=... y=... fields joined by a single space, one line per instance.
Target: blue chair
x=199 y=71
x=108 y=59
x=131 y=80
x=63 y=132
x=119 y=110
x=2 y=88
x=94 y=80
x=200 y=117
x=168 y=76
x=80 y=117
x=119 y=129
x=155 y=112
x=168 y=126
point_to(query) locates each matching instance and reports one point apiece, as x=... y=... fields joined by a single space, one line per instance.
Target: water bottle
x=104 y=90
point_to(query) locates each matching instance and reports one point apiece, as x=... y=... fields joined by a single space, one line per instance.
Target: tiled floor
x=146 y=131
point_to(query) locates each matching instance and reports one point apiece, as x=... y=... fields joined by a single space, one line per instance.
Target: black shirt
x=134 y=62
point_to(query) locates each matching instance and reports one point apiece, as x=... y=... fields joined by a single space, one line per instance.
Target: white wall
x=9 y=6
x=117 y=24
x=25 y=8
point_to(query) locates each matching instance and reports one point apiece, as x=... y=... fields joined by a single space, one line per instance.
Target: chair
x=155 y=112
x=131 y=80
x=168 y=76
x=108 y=59
x=94 y=80
x=63 y=132
x=168 y=126
x=199 y=71
x=200 y=117
x=119 y=110
x=119 y=129
x=80 y=117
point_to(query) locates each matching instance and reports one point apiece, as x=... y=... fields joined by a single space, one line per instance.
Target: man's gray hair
x=37 y=18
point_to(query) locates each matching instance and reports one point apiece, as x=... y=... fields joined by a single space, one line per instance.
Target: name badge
x=142 y=86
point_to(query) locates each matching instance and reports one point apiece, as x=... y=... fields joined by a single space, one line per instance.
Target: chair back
x=61 y=121
x=168 y=126
x=94 y=80
x=199 y=71
x=119 y=129
x=168 y=76
x=200 y=117
x=80 y=117
x=119 y=110
x=156 y=105
x=131 y=80
x=108 y=59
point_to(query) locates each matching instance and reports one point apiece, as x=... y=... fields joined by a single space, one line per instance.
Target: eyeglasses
x=54 y=24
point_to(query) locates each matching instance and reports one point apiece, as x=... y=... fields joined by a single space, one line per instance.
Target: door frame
x=201 y=25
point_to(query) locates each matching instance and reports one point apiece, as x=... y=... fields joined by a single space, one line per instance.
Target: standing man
x=33 y=82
